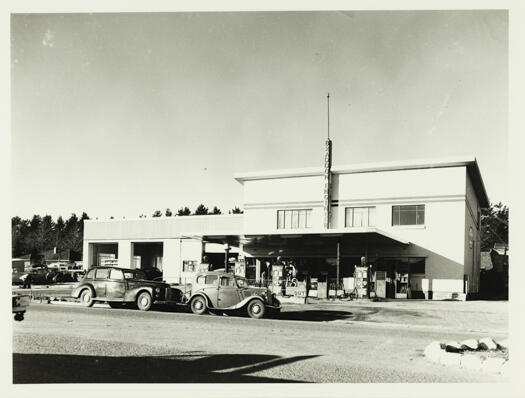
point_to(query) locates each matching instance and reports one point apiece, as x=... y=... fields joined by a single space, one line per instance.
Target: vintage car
x=223 y=292
x=119 y=286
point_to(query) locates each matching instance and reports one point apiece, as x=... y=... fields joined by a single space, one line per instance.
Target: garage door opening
x=103 y=254
x=147 y=256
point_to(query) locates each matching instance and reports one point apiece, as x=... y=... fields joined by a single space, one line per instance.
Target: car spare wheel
x=256 y=309
x=144 y=301
x=198 y=305
x=86 y=298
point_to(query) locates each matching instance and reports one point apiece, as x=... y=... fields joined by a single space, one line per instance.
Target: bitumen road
x=74 y=344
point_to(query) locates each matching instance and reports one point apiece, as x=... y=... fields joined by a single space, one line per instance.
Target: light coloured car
x=224 y=292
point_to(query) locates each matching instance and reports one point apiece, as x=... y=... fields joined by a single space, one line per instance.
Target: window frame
x=368 y=212
x=417 y=210
x=287 y=218
x=101 y=270
x=115 y=270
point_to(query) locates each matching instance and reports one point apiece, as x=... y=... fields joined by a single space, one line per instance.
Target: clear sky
x=123 y=114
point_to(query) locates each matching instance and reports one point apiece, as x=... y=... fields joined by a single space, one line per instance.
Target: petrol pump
x=277 y=277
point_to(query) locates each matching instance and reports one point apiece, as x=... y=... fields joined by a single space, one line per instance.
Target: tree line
x=39 y=234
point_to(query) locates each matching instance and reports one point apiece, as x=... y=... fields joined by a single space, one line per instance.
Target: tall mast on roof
x=327 y=197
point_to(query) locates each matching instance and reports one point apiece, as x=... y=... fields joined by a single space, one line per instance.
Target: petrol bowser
x=380 y=286
x=240 y=268
x=361 y=280
x=277 y=277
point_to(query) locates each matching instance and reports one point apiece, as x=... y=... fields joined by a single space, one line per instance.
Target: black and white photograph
x=259 y=196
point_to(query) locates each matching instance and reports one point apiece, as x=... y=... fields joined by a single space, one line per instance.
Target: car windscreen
x=242 y=282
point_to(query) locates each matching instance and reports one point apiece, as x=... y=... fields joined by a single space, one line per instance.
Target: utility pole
x=226 y=255
x=327 y=197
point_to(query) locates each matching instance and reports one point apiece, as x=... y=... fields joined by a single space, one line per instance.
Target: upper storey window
x=360 y=216
x=294 y=219
x=408 y=215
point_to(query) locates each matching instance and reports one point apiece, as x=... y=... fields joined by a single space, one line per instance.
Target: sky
x=123 y=114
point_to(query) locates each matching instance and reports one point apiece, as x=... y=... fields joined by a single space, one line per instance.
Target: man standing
x=27 y=281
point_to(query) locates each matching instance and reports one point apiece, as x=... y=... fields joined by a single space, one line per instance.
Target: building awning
x=357 y=236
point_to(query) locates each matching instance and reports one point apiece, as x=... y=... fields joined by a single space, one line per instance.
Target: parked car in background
x=223 y=292
x=66 y=272
x=118 y=286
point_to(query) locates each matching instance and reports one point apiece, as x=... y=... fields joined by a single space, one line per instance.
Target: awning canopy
x=323 y=240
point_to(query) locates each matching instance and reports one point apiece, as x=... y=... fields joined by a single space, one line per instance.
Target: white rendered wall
x=171 y=262
x=283 y=190
x=190 y=250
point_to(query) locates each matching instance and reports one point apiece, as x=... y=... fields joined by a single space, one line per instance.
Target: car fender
x=78 y=290
x=131 y=295
x=208 y=302
x=244 y=302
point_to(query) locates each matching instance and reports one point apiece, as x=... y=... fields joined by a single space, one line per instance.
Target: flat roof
x=469 y=162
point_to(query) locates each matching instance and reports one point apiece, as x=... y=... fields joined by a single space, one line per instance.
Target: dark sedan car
x=117 y=286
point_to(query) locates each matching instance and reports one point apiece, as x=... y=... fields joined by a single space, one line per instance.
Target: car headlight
x=157 y=290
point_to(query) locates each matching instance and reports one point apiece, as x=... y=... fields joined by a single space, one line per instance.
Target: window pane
x=287 y=219
x=371 y=216
x=360 y=216
x=308 y=218
x=116 y=274
x=295 y=219
x=302 y=218
x=407 y=215
x=102 y=273
x=90 y=274
x=212 y=279
x=420 y=215
x=280 y=219
x=349 y=215
x=227 y=281
x=395 y=215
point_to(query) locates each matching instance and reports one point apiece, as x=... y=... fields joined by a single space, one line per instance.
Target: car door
x=100 y=282
x=116 y=285
x=228 y=292
x=210 y=288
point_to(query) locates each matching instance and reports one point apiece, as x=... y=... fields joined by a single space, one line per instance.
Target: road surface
x=68 y=344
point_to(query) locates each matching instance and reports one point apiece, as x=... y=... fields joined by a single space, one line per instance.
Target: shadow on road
x=315 y=315
x=185 y=368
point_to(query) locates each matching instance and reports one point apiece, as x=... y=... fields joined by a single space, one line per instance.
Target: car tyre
x=198 y=305
x=86 y=298
x=256 y=309
x=144 y=301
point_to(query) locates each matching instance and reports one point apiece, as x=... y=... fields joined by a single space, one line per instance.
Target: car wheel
x=86 y=298
x=198 y=305
x=256 y=309
x=144 y=301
